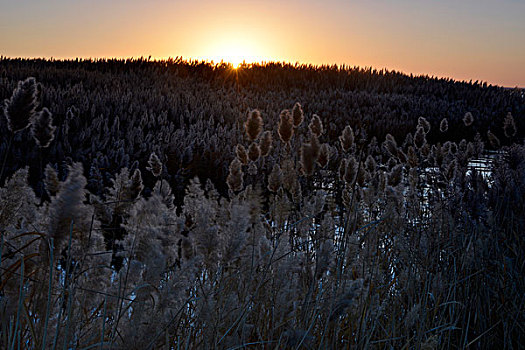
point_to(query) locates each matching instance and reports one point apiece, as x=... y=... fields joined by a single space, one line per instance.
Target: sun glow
x=234 y=49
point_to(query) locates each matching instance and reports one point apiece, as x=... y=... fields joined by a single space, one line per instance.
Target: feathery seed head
x=347 y=138
x=254 y=152
x=420 y=137
x=68 y=206
x=136 y=185
x=42 y=129
x=509 y=126
x=351 y=170
x=468 y=119
x=324 y=155
x=285 y=126
x=316 y=146
x=450 y=170
x=316 y=126
x=443 y=126
x=390 y=145
x=342 y=169
x=51 y=182
x=254 y=125
x=155 y=165
x=453 y=147
x=409 y=140
x=266 y=143
x=412 y=158
x=307 y=159
x=19 y=110
x=395 y=175
x=493 y=139
x=290 y=182
x=423 y=122
x=241 y=153
x=370 y=164
x=297 y=114
x=275 y=179
x=235 y=177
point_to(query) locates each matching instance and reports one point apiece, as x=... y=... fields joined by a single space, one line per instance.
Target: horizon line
x=151 y=58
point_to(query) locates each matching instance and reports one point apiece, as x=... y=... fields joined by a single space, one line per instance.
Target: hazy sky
x=463 y=39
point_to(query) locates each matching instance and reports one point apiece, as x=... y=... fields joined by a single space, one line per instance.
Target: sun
x=236 y=54
x=234 y=49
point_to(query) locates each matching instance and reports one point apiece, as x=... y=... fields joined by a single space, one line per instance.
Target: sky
x=462 y=39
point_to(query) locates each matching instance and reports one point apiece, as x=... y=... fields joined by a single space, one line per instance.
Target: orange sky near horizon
x=474 y=40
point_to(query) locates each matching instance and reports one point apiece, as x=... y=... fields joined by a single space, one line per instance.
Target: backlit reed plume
x=351 y=170
x=275 y=179
x=423 y=122
x=241 y=153
x=42 y=129
x=443 y=126
x=347 y=138
x=342 y=169
x=235 y=176
x=390 y=145
x=316 y=126
x=135 y=184
x=316 y=145
x=254 y=152
x=290 y=182
x=308 y=159
x=395 y=175
x=370 y=164
x=493 y=139
x=19 y=110
x=509 y=127
x=253 y=125
x=51 y=182
x=285 y=126
x=297 y=114
x=420 y=137
x=265 y=143
x=468 y=119
x=324 y=155
x=68 y=206
x=155 y=165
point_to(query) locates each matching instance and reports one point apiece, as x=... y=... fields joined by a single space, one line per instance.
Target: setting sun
x=234 y=48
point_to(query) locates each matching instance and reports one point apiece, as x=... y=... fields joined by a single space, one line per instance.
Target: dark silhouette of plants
x=369 y=214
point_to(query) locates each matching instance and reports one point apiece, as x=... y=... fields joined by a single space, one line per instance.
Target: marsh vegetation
x=174 y=205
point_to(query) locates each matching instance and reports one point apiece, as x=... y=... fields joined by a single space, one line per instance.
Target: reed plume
x=254 y=152
x=242 y=154
x=324 y=155
x=155 y=165
x=285 y=126
x=509 y=126
x=297 y=114
x=468 y=119
x=275 y=179
x=443 y=125
x=42 y=129
x=235 y=176
x=493 y=139
x=253 y=125
x=19 y=110
x=265 y=143
x=423 y=122
x=347 y=138
x=316 y=125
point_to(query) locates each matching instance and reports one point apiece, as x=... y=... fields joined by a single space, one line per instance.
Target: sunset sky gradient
x=465 y=40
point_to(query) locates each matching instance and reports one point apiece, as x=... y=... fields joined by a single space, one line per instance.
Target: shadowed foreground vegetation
x=144 y=207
